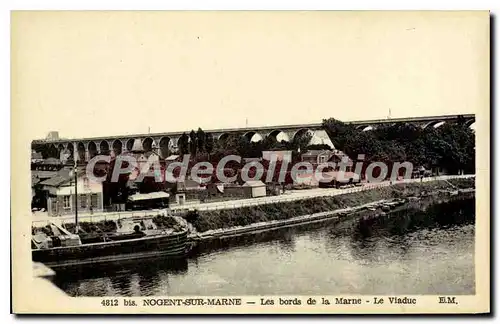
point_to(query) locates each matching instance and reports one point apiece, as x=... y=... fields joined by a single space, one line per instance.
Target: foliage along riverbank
x=428 y=213
x=226 y=218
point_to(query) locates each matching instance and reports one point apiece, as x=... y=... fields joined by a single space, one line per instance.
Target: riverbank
x=223 y=223
x=267 y=215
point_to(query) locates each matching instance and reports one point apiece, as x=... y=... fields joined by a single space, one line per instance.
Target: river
x=427 y=250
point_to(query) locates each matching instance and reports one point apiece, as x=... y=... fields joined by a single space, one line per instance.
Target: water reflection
x=146 y=282
x=417 y=216
x=117 y=277
x=122 y=284
x=408 y=251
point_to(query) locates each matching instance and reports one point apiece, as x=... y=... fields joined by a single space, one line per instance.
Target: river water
x=428 y=250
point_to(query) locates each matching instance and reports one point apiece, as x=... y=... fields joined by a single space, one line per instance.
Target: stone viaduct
x=164 y=143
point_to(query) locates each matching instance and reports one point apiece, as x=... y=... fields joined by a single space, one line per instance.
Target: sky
x=88 y=74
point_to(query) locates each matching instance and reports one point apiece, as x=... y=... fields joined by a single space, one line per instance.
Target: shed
x=150 y=200
x=256 y=188
x=149 y=196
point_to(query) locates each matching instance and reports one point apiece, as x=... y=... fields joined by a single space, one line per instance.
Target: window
x=93 y=200
x=83 y=201
x=66 y=202
x=322 y=159
x=53 y=206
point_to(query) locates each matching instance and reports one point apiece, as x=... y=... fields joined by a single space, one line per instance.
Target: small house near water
x=60 y=192
x=254 y=188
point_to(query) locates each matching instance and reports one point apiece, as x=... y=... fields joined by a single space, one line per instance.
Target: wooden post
x=76 y=197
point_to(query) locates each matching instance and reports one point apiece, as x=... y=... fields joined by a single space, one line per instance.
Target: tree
x=193 y=145
x=270 y=143
x=47 y=150
x=451 y=145
x=201 y=138
x=183 y=144
x=338 y=132
x=457 y=146
x=299 y=144
x=230 y=143
x=209 y=143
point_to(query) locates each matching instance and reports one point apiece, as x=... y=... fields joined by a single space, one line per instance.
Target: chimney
x=53 y=135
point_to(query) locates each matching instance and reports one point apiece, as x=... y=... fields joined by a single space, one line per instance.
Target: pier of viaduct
x=164 y=143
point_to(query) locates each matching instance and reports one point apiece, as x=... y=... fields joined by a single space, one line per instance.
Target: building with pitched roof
x=60 y=193
x=254 y=188
x=316 y=157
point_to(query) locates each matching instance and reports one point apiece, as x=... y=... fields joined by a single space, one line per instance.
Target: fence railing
x=327 y=192
x=101 y=216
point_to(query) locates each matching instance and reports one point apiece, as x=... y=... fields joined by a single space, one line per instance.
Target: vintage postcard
x=258 y=162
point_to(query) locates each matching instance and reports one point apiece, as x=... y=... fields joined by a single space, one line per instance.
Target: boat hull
x=174 y=245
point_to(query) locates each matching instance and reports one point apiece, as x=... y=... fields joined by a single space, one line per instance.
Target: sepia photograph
x=250 y=162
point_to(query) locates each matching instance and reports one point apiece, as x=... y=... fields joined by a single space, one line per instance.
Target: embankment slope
x=226 y=218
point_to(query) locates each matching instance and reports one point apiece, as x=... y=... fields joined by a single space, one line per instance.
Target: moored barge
x=133 y=238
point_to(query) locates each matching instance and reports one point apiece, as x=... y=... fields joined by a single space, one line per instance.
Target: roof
x=340 y=155
x=42 y=174
x=149 y=196
x=62 y=177
x=188 y=184
x=253 y=183
x=34 y=180
x=217 y=186
x=145 y=156
x=172 y=158
x=149 y=153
